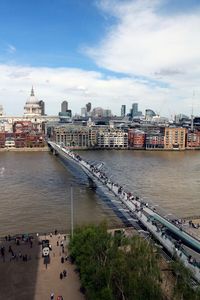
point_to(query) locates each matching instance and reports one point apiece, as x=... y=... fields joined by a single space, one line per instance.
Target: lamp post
x=72 y=212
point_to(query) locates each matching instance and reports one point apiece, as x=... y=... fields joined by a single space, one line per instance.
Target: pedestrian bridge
x=136 y=211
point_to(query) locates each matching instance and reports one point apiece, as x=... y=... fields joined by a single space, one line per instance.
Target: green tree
x=114 y=267
x=136 y=272
x=183 y=289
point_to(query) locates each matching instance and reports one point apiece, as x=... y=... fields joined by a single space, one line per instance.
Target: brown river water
x=35 y=187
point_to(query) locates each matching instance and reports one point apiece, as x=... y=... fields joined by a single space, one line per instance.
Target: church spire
x=32 y=92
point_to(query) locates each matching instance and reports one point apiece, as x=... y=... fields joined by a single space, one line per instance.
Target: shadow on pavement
x=19 y=259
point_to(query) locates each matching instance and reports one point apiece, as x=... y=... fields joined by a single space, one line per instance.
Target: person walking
x=3 y=253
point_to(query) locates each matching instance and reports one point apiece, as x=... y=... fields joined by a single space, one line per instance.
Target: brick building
x=193 y=139
x=136 y=139
x=155 y=140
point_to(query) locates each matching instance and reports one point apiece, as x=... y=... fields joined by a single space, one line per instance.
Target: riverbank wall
x=25 y=149
x=46 y=149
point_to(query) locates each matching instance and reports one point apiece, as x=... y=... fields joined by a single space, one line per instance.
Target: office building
x=83 y=112
x=42 y=106
x=88 y=107
x=134 y=111
x=149 y=114
x=64 y=106
x=97 y=112
x=123 y=110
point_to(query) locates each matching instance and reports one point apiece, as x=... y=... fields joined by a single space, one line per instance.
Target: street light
x=72 y=212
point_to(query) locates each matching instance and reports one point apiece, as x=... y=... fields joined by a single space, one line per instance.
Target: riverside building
x=112 y=138
x=75 y=136
x=22 y=135
x=175 y=138
x=193 y=139
x=155 y=140
x=136 y=139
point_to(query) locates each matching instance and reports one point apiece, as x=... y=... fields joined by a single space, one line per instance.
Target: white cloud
x=11 y=49
x=144 y=42
x=53 y=85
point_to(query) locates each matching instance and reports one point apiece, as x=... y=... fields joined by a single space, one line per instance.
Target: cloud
x=168 y=72
x=53 y=85
x=152 y=43
x=143 y=42
x=11 y=49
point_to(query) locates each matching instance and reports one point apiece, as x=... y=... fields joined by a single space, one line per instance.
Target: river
x=35 y=187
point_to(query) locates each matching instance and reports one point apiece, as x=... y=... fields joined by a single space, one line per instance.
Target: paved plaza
x=26 y=275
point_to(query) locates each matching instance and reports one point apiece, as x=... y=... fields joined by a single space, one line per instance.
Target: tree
x=112 y=272
x=183 y=288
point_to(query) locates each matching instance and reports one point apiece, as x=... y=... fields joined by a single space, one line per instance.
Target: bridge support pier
x=92 y=184
x=54 y=152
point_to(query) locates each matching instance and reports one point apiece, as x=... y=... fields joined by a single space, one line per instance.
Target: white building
x=112 y=138
x=32 y=106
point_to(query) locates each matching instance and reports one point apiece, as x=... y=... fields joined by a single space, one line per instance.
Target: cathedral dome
x=32 y=106
x=32 y=98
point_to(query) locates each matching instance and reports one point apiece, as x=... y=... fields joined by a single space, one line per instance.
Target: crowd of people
x=18 y=248
x=10 y=254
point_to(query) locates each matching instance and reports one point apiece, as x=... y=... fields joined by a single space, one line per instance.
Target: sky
x=107 y=52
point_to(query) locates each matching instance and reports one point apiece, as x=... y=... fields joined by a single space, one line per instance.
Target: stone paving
x=25 y=275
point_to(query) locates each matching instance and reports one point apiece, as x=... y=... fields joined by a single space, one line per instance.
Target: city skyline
x=108 y=53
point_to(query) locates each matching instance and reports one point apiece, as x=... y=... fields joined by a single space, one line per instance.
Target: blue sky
x=49 y=33
x=108 y=52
